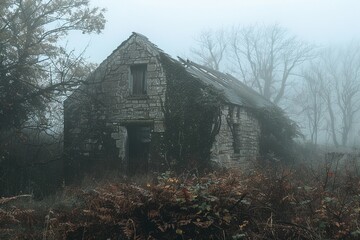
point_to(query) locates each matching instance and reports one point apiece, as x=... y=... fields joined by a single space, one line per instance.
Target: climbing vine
x=192 y=116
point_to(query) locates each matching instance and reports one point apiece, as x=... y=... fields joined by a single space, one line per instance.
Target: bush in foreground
x=271 y=202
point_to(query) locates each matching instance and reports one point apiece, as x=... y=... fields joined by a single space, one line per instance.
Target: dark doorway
x=139 y=141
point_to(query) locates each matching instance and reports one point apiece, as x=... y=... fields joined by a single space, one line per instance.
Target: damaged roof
x=234 y=90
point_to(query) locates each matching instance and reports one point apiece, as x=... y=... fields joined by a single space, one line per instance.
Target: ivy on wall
x=192 y=116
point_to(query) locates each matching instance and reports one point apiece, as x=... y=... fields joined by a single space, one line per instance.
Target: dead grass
x=271 y=201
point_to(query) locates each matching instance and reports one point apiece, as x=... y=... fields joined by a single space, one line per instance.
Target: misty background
x=174 y=25
x=179 y=28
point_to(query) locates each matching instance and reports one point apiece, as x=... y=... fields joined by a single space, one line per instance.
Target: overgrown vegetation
x=30 y=162
x=192 y=116
x=35 y=68
x=278 y=133
x=36 y=72
x=94 y=136
x=269 y=202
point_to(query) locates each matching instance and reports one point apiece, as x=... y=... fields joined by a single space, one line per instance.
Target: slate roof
x=234 y=90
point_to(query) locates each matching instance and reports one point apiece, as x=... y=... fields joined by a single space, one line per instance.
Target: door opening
x=139 y=141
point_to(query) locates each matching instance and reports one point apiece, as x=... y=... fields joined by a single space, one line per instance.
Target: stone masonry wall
x=237 y=124
x=121 y=106
x=101 y=108
x=249 y=135
x=222 y=149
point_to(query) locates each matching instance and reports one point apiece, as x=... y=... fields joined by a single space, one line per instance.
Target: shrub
x=269 y=202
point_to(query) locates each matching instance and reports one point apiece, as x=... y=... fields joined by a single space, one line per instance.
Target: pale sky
x=174 y=24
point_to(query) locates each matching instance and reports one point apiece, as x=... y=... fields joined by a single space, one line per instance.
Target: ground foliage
x=192 y=116
x=268 y=202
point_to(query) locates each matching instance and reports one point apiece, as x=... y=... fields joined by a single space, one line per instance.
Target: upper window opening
x=138 y=79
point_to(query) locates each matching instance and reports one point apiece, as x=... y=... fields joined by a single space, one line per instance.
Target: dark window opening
x=138 y=79
x=237 y=112
x=236 y=143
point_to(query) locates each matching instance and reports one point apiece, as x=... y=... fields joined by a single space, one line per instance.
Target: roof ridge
x=140 y=35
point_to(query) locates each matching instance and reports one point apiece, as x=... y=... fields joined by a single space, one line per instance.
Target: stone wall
x=238 y=138
x=222 y=150
x=121 y=106
x=249 y=135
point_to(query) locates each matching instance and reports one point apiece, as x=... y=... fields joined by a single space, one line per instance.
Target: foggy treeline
x=318 y=86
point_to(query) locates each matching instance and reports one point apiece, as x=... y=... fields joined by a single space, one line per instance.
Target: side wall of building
x=238 y=140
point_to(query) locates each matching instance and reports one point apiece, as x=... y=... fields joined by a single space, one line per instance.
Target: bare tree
x=341 y=90
x=311 y=100
x=211 y=48
x=266 y=56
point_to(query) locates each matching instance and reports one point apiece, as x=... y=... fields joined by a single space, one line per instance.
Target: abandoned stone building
x=116 y=119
